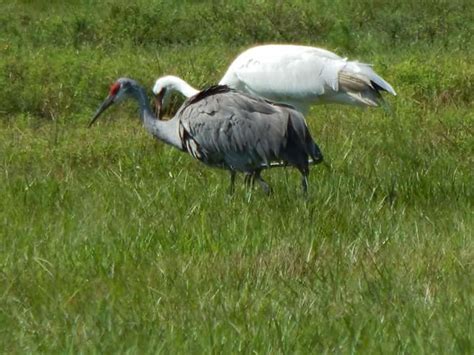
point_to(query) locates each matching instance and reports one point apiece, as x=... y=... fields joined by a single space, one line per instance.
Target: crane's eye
x=114 y=88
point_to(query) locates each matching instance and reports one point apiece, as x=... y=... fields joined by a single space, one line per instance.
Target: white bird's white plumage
x=297 y=75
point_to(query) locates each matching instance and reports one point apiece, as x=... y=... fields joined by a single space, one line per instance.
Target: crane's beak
x=106 y=104
x=159 y=104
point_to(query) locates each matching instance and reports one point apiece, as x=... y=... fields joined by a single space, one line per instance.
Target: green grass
x=112 y=242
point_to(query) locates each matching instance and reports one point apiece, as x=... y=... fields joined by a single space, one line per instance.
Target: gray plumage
x=225 y=128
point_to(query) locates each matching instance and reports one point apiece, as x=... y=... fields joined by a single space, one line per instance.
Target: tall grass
x=112 y=242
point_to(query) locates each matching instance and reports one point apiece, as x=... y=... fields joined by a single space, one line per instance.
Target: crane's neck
x=177 y=84
x=166 y=131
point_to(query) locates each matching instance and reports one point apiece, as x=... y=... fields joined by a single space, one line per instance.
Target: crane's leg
x=263 y=183
x=304 y=180
x=232 y=181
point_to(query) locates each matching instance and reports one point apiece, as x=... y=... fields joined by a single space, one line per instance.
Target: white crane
x=297 y=75
x=224 y=128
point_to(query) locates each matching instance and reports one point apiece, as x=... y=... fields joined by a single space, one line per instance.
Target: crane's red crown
x=114 y=88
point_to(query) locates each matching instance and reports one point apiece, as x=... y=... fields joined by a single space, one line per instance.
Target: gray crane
x=228 y=129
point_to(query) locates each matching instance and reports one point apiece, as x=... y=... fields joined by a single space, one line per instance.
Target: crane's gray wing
x=222 y=127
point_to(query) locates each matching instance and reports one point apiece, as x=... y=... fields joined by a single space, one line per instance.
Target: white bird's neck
x=166 y=131
x=174 y=83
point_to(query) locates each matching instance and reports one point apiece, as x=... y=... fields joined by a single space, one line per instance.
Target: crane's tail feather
x=363 y=70
x=363 y=85
x=300 y=134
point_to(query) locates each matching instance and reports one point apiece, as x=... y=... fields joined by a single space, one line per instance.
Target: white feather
x=297 y=75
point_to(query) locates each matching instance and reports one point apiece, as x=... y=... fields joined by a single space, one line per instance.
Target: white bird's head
x=164 y=86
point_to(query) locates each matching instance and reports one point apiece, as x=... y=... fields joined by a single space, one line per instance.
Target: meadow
x=113 y=242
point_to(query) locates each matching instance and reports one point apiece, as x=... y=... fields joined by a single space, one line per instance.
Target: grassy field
x=113 y=242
